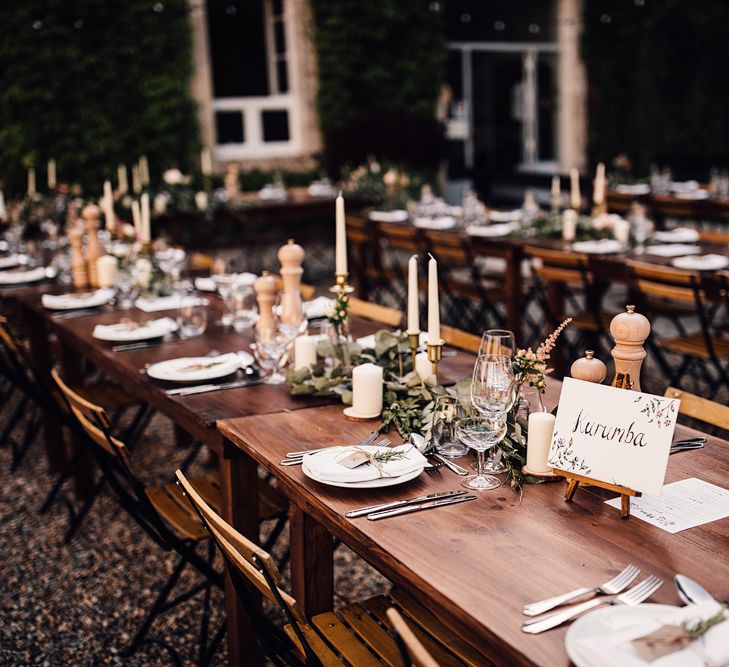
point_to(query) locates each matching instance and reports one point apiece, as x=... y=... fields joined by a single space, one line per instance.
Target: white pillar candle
x=433 y=303
x=367 y=390
x=621 y=231
x=206 y=161
x=341 y=239
x=121 y=174
x=143 y=171
x=305 y=351
x=575 y=197
x=413 y=296
x=51 y=174
x=423 y=367
x=136 y=182
x=146 y=222
x=569 y=225
x=136 y=219
x=541 y=427
x=106 y=270
x=31 y=182
x=598 y=192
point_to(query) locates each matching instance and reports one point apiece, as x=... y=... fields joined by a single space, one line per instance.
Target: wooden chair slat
x=460 y=339
x=700 y=408
x=325 y=654
x=418 y=653
x=375 y=312
x=344 y=641
x=179 y=519
x=372 y=633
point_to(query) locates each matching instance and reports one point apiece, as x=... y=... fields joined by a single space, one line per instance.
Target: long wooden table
x=662 y=206
x=475 y=565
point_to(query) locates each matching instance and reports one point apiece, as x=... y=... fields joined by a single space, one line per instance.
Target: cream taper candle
x=136 y=180
x=433 y=303
x=3 y=211
x=106 y=270
x=367 y=390
x=136 y=219
x=598 y=193
x=121 y=174
x=575 y=196
x=108 y=205
x=413 y=296
x=51 y=174
x=305 y=351
x=206 y=161
x=31 y=182
x=541 y=427
x=341 y=240
x=144 y=171
x=146 y=222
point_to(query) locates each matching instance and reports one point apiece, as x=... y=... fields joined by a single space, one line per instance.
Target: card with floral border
x=619 y=437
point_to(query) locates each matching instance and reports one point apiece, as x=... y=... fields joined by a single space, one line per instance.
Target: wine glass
x=192 y=315
x=269 y=350
x=224 y=281
x=492 y=394
x=449 y=410
x=497 y=341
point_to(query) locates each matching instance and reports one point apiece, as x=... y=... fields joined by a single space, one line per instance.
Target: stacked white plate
x=493 y=231
x=128 y=331
x=436 y=224
x=199 y=369
x=397 y=215
x=93 y=299
x=601 y=247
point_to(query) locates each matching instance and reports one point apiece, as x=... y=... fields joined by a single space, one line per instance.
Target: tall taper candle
x=144 y=171
x=3 y=212
x=136 y=219
x=433 y=304
x=341 y=241
x=598 y=192
x=413 y=296
x=31 y=182
x=51 y=174
x=136 y=182
x=575 y=197
x=108 y=204
x=206 y=161
x=146 y=222
x=121 y=173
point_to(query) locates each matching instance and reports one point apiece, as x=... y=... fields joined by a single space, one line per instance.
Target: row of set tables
x=473 y=565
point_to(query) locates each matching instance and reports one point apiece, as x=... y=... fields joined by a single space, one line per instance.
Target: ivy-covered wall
x=658 y=82
x=94 y=83
x=380 y=68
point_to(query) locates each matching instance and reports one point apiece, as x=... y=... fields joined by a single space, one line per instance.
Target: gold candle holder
x=341 y=285
x=435 y=353
x=414 y=342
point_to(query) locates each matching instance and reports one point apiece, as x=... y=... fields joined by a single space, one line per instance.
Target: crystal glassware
x=269 y=350
x=224 y=281
x=245 y=307
x=449 y=410
x=192 y=315
x=124 y=281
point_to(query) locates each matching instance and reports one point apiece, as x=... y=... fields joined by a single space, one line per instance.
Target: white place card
x=613 y=435
x=685 y=504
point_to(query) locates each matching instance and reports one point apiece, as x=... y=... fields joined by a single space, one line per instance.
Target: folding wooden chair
x=702 y=409
x=396 y=244
x=356 y=634
x=412 y=650
x=364 y=254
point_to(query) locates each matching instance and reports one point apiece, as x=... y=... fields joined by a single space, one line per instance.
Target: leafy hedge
x=657 y=73
x=380 y=68
x=94 y=83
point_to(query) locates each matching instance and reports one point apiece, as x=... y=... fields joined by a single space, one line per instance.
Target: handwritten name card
x=613 y=435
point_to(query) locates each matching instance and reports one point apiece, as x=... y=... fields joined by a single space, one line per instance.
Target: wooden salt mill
x=629 y=330
x=91 y=215
x=291 y=256
x=265 y=287
x=78 y=263
x=588 y=368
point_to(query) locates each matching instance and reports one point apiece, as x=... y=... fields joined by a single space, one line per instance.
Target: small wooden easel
x=629 y=330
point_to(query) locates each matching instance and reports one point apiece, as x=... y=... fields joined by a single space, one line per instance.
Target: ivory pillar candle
x=575 y=196
x=621 y=230
x=541 y=427
x=143 y=171
x=305 y=351
x=569 y=225
x=423 y=367
x=121 y=174
x=433 y=303
x=106 y=270
x=598 y=194
x=136 y=181
x=367 y=390
x=146 y=222
x=136 y=219
x=413 y=296
x=31 y=182
x=341 y=239
x=51 y=174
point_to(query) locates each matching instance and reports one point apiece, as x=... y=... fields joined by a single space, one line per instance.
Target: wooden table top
x=476 y=564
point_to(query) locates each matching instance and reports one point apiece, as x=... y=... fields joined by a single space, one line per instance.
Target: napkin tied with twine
x=361 y=456
x=667 y=639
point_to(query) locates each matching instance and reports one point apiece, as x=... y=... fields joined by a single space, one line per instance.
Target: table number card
x=613 y=435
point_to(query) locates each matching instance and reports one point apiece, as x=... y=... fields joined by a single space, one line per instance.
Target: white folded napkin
x=633 y=188
x=677 y=235
x=693 y=195
x=439 y=223
x=12 y=260
x=317 y=307
x=701 y=262
x=614 y=647
x=603 y=246
x=324 y=465
x=204 y=284
x=673 y=250
x=684 y=186
x=505 y=216
x=397 y=215
x=161 y=303
x=70 y=301
x=273 y=193
x=492 y=231
x=19 y=277
x=322 y=190
x=126 y=331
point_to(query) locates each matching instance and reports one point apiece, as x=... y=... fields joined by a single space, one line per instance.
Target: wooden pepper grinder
x=91 y=215
x=588 y=368
x=291 y=257
x=629 y=330
x=265 y=287
x=78 y=262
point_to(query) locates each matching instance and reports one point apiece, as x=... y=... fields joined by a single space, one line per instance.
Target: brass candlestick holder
x=414 y=342
x=342 y=286
x=435 y=353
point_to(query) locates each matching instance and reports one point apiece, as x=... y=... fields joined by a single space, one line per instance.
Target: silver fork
x=298 y=460
x=434 y=468
x=631 y=598
x=612 y=587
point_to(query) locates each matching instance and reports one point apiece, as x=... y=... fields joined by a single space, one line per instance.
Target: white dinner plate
x=125 y=332
x=440 y=223
x=94 y=299
x=211 y=368
x=633 y=188
x=25 y=276
x=368 y=484
x=610 y=619
x=9 y=261
x=602 y=247
x=701 y=262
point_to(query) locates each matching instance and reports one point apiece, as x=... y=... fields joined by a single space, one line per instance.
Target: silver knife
x=201 y=389
x=453 y=466
x=401 y=503
x=422 y=506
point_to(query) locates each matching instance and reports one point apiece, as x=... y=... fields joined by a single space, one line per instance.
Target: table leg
x=312 y=563
x=239 y=485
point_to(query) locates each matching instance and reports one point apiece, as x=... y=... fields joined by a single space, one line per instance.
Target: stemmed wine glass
x=224 y=280
x=497 y=341
x=492 y=394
